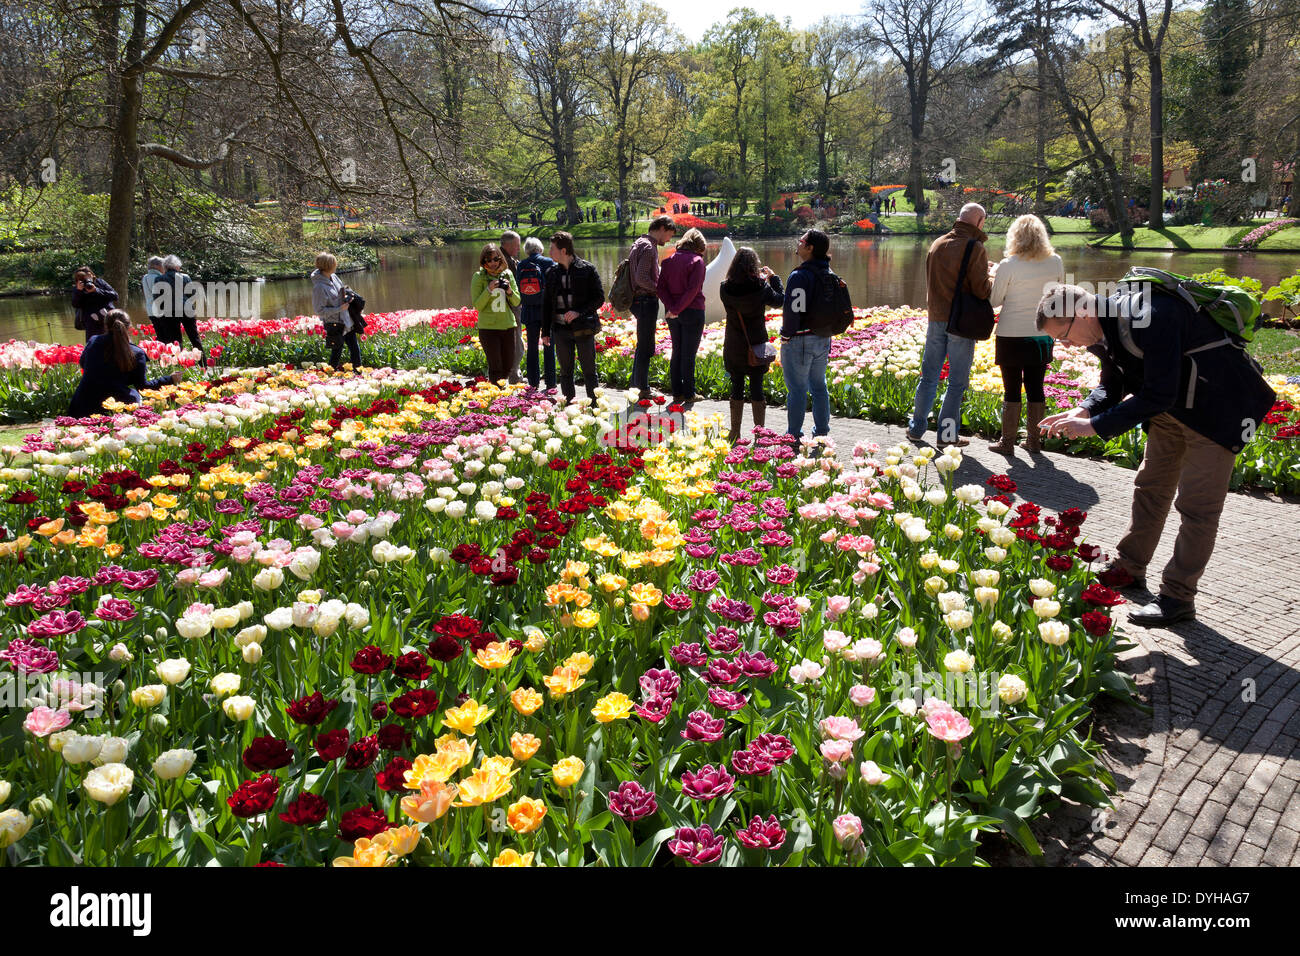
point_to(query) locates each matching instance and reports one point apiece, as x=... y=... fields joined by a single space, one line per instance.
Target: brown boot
x=737 y=417
x=1010 y=424
x=760 y=412
x=1033 y=415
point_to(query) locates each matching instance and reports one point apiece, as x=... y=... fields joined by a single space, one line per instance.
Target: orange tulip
x=526 y=700
x=526 y=815
x=523 y=746
x=431 y=803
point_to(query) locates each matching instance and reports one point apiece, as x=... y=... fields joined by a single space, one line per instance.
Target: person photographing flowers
x=747 y=292
x=330 y=300
x=92 y=299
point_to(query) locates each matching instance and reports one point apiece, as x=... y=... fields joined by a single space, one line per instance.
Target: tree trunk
x=124 y=157
x=822 y=166
x=1040 y=144
x=1130 y=114
x=1156 y=67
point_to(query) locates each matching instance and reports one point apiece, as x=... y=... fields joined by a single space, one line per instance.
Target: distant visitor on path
x=1200 y=398
x=1022 y=352
x=749 y=290
x=153 y=272
x=681 y=290
x=804 y=352
x=113 y=368
x=530 y=276
x=570 y=307
x=495 y=295
x=330 y=300
x=643 y=270
x=942 y=267
x=177 y=306
x=92 y=300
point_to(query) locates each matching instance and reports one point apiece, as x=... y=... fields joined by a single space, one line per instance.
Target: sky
x=693 y=17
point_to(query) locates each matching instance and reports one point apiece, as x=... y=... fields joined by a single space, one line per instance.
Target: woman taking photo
x=494 y=293
x=681 y=290
x=329 y=300
x=113 y=368
x=746 y=294
x=92 y=299
x=1021 y=351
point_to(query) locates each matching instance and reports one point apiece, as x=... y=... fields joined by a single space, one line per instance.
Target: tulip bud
x=5 y=788
x=252 y=652
x=40 y=807
x=158 y=723
x=118 y=687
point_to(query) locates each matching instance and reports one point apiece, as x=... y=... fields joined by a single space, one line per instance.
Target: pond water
x=888 y=271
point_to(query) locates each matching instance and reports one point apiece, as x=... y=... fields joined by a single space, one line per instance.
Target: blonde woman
x=1021 y=351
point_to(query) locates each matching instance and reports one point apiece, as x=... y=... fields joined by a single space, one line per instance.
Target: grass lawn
x=1287 y=239
x=1180 y=237
x=1278 y=350
x=13 y=434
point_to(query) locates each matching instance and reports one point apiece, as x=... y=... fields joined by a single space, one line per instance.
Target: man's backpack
x=1232 y=308
x=620 y=291
x=830 y=309
x=530 y=277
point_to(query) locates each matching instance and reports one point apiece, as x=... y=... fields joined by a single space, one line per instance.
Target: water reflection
x=889 y=271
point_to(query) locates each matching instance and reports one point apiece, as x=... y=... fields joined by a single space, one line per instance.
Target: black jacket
x=588 y=296
x=88 y=303
x=795 y=315
x=1187 y=367
x=102 y=378
x=746 y=303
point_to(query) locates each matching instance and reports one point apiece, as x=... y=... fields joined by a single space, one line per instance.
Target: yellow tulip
x=483 y=786
x=496 y=655
x=399 y=841
x=564 y=680
x=580 y=661
x=467 y=716
x=512 y=858
x=612 y=707
x=568 y=771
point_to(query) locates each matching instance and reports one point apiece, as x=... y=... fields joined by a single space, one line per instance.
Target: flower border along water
x=394 y=618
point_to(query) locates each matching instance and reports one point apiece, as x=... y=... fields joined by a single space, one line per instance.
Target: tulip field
x=298 y=617
x=872 y=372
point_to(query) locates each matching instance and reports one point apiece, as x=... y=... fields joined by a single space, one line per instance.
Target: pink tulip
x=848 y=829
x=43 y=721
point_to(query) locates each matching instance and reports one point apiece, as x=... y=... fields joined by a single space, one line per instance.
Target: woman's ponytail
x=118 y=325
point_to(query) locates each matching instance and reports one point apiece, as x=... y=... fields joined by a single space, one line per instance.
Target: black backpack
x=830 y=309
x=531 y=278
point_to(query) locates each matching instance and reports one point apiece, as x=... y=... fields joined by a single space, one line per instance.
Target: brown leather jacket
x=943 y=262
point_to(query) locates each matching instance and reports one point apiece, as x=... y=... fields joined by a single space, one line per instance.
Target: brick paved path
x=1212 y=783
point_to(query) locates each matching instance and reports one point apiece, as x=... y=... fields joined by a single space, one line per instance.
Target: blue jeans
x=960 y=353
x=531 y=317
x=685 y=333
x=646 y=310
x=803 y=362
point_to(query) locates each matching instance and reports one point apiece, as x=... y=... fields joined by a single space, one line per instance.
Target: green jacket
x=494 y=309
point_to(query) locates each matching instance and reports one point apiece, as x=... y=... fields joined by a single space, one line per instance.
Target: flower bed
x=284 y=617
x=872 y=373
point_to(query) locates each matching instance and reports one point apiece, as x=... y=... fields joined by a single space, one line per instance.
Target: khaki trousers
x=1177 y=460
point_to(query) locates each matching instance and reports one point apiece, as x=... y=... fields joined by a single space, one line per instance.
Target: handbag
x=757 y=355
x=970 y=317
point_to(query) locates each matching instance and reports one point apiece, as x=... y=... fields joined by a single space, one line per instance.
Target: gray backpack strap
x=1124 y=325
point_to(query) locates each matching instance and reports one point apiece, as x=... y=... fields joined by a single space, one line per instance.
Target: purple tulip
x=697 y=846
x=757 y=665
x=763 y=834
x=704 y=580
x=781 y=574
x=56 y=623
x=726 y=699
x=701 y=725
x=776 y=746
x=660 y=682
x=739 y=612
x=689 y=655
x=724 y=640
x=752 y=763
x=722 y=671
x=783 y=621
x=655 y=708
x=678 y=601
x=709 y=784
x=631 y=802
x=747 y=558
x=115 y=609
x=30 y=657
